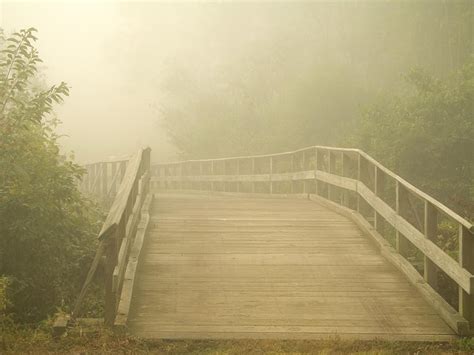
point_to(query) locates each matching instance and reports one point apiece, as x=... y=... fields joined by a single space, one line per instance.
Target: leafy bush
x=426 y=135
x=47 y=229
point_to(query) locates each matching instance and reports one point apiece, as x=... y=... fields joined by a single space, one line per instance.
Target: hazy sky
x=90 y=45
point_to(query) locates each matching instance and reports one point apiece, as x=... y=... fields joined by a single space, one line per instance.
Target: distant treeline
x=393 y=78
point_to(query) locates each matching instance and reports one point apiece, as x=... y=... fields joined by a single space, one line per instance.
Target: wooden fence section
x=409 y=225
x=102 y=180
x=118 y=232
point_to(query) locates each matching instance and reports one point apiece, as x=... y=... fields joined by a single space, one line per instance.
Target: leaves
x=47 y=234
x=431 y=123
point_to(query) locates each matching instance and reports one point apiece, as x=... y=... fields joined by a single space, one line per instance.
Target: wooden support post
x=271 y=173
x=110 y=296
x=345 y=172
x=431 y=230
x=332 y=170
x=466 y=260
x=401 y=244
x=379 y=178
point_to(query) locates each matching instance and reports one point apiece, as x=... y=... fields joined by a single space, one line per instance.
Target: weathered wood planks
x=228 y=267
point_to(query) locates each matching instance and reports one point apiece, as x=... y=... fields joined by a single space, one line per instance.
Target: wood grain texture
x=216 y=266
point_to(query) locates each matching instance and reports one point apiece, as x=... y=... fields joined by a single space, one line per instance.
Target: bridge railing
x=119 y=230
x=102 y=180
x=429 y=242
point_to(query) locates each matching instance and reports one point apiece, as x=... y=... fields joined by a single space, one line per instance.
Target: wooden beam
x=430 y=231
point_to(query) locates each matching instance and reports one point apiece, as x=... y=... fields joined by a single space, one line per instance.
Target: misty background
x=199 y=80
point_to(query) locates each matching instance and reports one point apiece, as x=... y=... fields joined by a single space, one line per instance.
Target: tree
x=47 y=229
x=427 y=135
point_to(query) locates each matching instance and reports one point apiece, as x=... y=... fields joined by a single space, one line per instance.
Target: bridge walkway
x=216 y=266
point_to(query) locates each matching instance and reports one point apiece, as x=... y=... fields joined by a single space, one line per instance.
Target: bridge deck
x=229 y=267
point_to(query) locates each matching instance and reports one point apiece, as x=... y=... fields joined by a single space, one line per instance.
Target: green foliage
x=47 y=229
x=426 y=135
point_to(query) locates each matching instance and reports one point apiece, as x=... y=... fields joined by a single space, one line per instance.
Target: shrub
x=47 y=229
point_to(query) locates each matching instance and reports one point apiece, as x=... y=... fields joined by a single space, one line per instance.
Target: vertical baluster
x=379 y=184
x=400 y=206
x=332 y=170
x=345 y=161
x=431 y=230
x=466 y=260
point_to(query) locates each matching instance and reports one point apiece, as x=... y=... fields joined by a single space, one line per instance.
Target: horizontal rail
x=118 y=231
x=350 y=178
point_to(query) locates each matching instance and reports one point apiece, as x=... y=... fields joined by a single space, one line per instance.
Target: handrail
x=117 y=233
x=387 y=171
x=353 y=179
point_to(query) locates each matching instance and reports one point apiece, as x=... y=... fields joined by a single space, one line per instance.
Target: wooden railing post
x=431 y=230
x=400 y=205
x=332 y=170
x=110 y=296
x=345 y=173
x=379 y=178
x=466 y=260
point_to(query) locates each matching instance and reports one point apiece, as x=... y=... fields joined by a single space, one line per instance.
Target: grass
x=39 y=340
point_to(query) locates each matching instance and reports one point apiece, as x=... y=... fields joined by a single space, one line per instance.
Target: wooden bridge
x=306 y=244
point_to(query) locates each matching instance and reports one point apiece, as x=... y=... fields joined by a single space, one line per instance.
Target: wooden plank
x=228 y=264
x=129 y=279
x=454 y=319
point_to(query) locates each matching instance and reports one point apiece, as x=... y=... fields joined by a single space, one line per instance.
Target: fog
x=129 y=64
